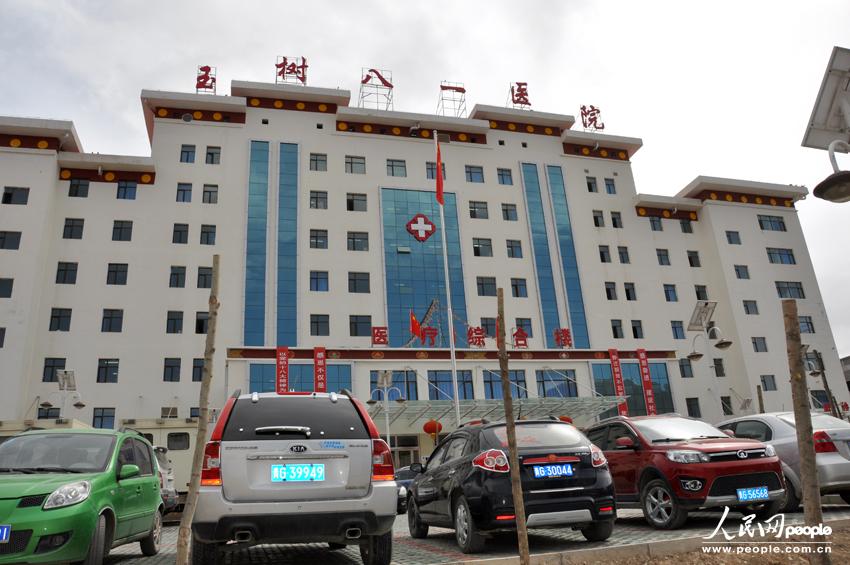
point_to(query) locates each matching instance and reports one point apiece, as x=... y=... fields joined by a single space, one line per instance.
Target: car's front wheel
x=469 y=539
x=660 y=507
x=418 y=529
x=377 y=550
x=97 y=546
x=598 y=531
x=791 y=502
x=205 y=553
x=150 y=545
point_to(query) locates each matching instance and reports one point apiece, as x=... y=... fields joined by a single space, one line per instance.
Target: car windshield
x=56 y=453
x=537 y=435
x=819 y=421
x=658 y=430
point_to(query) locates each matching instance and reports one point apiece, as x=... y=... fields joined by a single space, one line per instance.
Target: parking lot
x=440 y=546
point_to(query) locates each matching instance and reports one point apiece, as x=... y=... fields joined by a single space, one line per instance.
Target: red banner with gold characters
x=619 y=387
x=320 y=380
x=646 y=379
x=282 y=380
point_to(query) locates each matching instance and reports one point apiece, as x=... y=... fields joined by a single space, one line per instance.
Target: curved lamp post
x=722 y=342
x=835 y=187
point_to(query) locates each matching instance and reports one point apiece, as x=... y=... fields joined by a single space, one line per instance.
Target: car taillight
x=493 y=460
x=597 y=457
x=211 y=470
x=823 y=443
x=382 y=461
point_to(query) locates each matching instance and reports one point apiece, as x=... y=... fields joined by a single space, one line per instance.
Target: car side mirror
x=128 y=472
x=416 y=467
x=624 y=442
x=729 y=432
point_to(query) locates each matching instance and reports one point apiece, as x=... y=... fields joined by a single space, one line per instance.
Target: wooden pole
x=184 y=534
x=803 y=423
x=513 y=457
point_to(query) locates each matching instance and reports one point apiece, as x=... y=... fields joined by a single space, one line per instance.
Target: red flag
x=415 y=328
x=439 y=173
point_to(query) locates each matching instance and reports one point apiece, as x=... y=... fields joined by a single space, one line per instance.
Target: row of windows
x=671 y=295
x=355 y=240
x=592 y=185
x=483 y=247
x=116 y=274
x=655 y=224
x=599 y=219
x=107 y=369
x=398 y=168
x=478 y=210
x=766 y=223
x=357 y=282
x=122 y=230
x=209 y=194
x=113 y=321
x=211 y=157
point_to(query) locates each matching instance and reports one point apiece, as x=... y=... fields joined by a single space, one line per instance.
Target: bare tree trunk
x=803 y=423
x=833 y=405
x=185 y=533
x=513 y=457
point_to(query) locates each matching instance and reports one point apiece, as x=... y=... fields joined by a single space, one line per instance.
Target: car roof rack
x=126 y=430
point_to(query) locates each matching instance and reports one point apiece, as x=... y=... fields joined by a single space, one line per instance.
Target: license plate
x=751 y=494
x=5 y=532
x=298 y=472
x=551 y=471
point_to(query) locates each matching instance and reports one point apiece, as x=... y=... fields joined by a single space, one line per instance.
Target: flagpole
x=456 y=398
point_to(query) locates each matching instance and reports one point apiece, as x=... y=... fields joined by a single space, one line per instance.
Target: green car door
x=127 y=493
x=150 y=497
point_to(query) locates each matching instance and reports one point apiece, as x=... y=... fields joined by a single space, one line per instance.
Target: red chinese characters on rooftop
x=291 y=69
x=205 y=79
x=519 y=95
x=590 y=118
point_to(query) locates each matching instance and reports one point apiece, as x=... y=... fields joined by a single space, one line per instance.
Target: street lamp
x=722 y=342
x=386 y=390
x=835 y=187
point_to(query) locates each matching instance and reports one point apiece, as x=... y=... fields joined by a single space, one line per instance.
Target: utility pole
x=513 y=457
x=812 y=511
x=184 y=534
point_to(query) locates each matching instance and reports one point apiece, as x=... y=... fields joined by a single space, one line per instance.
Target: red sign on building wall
x=320 y=380
x=646 y=379
x=619 y=387
x=282 y=380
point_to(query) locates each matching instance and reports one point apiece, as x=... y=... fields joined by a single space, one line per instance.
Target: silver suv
x=296 y=468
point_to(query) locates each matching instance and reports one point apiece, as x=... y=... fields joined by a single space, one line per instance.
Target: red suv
x=671 y=465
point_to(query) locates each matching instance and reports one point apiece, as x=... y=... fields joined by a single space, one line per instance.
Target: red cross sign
x=421 y=228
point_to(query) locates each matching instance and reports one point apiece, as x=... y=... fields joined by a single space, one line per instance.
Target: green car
x=72 y=495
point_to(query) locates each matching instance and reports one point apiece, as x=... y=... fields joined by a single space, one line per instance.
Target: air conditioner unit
x=61 y=420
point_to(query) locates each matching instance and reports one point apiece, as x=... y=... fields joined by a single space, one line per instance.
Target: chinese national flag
x=439 y=174
x=415 y=328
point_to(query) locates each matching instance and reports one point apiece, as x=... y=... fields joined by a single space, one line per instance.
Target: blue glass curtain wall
x=604 y=383
x=255 y=249
x=262 y=377
x=287 y=246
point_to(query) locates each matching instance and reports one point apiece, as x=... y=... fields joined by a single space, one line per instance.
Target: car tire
x=378 y=550
x=205 y=553
x=150 y=544
x=469 y=539
x=97 y=546
x=791 y=503
x=845 y=496
x=598 y=531
x=418 y=530
x=660 y=507
x=333 y=546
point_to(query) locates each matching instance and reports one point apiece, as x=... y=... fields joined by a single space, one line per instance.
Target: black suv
x=466 y=483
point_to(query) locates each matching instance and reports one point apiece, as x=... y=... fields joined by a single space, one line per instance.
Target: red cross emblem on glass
x=421 y=228
x=563 y=337
x=475 y=336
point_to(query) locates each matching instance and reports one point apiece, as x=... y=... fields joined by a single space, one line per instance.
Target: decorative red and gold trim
x=296 y=105
x=646 y=212
x=28 y=142
x=400 y=131
x=442 y=354
x=517 y=127
x=200 y=115
x=744 y=198
x=591 y=151
x=107 y=175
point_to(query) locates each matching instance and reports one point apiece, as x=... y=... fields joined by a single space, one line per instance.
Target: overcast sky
x=713 y=88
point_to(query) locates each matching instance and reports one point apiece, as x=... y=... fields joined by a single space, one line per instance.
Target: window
x=184 y=192
x=505 y=177
x=48 y=413
x=610 y=187
x=482 y=247
x=771 y=223
x=66 y=273
x=693 y=259
x=197 y=370
x=687 y=226
x=177 y=278
x=611 y=290
x=113 y=320
x=509 y=212
x=604 y=254
x=759 y=345
x=637 y=329
x=404 y=381
x=514 y=248
x=819 y=398
x=319 y=199
x=768 y=382
x=693 y=407
x=122 y=230
x=478 y=210
x=205 y=277
x=73 y=228
x=319 y=239
x=319 y=281
x=663 y=256
x=719 y=367
x=210 y=195
x=474 y=173
x=489 y=326
x=631 y=293
x=187 y=153
x=486 y=286
x=51 y=365
x=781 y=256
x=10 y=240
x=355 y=165
x=355 y=202
x=177 y=441
x=360 y=326
x=207 y=234
x=686 y=370
x=431 y=170
x=319 y=324
x=126 y=190
x=733 y=237
x=751 y=307
x=616 y=220
x=617 y=329
x=358 y=282
x=742 y=272
x=194 y=412
x=623 y=252
x=171 y=370
x=726 y=405
x=788 y=289
x=202 y=322
x=670 y=293
x=655 y=223
x=493 y=384
x=318 y=162
x=16 y=195
x=701 y=291
x=60 y=319
x=524 y=324
x=598 y=219
x=806 y=325
x=358 y=241
x=519 y=288
x=180 y=234
x=441 y=388
x=556 y=384
x=116 y=273
x=107 y=370
x=78 y=188
x=213 y=155
x=678 y=329
x=591 y=184
x=6 y=288
x=103 y=418
x=396 y=168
